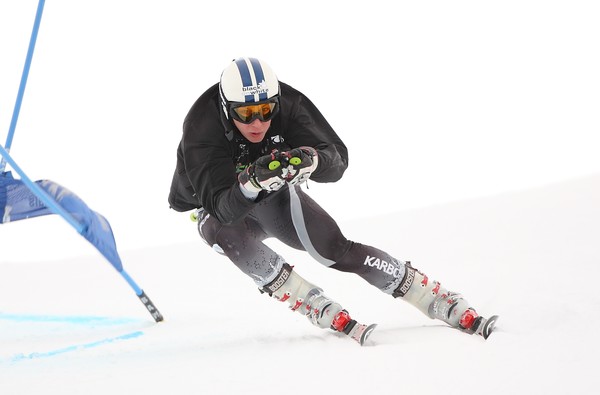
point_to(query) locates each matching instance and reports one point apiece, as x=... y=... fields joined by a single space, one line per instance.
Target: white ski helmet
x=247 y=80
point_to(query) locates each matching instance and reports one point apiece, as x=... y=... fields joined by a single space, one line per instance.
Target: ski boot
x=359 y=332
x=473 y=323
x=439 y=303
x=309 y=300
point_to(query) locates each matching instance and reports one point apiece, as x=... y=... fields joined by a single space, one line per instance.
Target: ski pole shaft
x=21 y=92
x=143 y=297
x=58 y=209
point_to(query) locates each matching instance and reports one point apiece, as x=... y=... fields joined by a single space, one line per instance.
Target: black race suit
x=211 y=154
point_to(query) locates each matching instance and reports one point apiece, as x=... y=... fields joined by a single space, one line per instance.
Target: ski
x=486 y=326
x=361 y=332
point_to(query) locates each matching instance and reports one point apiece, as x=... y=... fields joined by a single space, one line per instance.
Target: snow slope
x=479 y=98
x=475 y=97
x=72 y=326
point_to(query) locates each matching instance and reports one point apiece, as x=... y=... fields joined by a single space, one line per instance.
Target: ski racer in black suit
x=249 y=143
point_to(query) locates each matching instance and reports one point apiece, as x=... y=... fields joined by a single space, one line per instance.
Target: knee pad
x=303 y=297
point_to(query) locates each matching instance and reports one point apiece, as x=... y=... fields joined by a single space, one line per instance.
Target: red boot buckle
x=340 y=321
x=467 y=319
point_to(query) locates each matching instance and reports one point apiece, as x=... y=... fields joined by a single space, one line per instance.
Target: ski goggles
x=247 y=113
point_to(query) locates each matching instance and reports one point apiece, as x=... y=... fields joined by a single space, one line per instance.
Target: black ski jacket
x=212 y=152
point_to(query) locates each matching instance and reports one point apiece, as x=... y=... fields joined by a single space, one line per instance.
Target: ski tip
x=367 y=332
x=489 y=326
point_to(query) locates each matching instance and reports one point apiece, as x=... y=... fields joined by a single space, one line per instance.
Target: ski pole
x=81 y=228
x=29 y=57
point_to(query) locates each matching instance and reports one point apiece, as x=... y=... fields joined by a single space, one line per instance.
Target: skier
x=248 y=144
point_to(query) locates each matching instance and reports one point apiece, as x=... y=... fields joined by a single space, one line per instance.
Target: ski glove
x=301 y=163
x=272 y=171
x=266 y=173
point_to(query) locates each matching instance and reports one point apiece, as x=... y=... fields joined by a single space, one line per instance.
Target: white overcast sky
x=437 y=101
